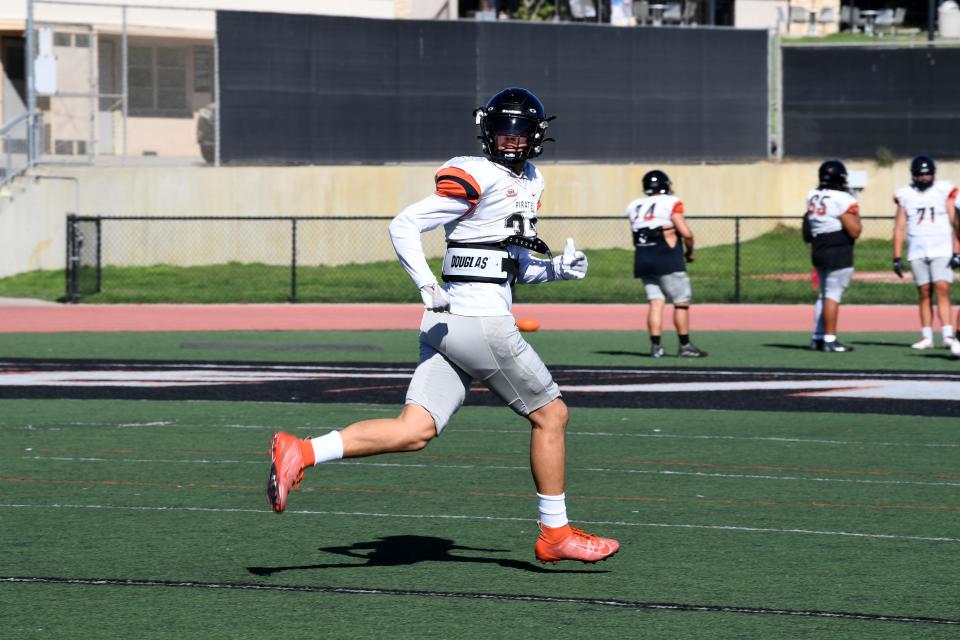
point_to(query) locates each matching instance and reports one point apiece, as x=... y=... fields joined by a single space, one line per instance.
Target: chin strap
x=533 y=244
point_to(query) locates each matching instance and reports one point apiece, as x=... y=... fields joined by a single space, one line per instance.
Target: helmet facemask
x=512 y=126
x=923 y=181
x=923 y=170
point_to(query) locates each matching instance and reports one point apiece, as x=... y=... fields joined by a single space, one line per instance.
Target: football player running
x=662 y=242
x=926 y=215
x=487 y=207
x=831 y=225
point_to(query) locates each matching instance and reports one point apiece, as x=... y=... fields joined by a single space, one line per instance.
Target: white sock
x=553 y=510
x=829 y=337
x=328 y=447
x=927 y=332
x=946 y=331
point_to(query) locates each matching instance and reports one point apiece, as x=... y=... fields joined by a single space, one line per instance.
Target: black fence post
x=99 y=253
x=70 y=287
x=293 y=259
x=736 y=259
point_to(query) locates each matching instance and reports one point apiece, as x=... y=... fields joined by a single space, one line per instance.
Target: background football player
x=487 y=207
x=831 y=225
x=663 y=243
x=926 y=214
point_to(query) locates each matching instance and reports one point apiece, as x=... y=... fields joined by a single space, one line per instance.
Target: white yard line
x=521 y=468
x=776 y=439
x=433 y=516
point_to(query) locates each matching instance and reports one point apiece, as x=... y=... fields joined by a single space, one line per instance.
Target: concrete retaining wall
x=32 y=215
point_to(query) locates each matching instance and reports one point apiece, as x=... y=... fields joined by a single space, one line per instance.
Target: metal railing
x=351 y=259
x=17 y=141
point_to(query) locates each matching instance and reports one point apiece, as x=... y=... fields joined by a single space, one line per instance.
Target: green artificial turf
x=727 y=515
x=773 y=349
x=754 y=510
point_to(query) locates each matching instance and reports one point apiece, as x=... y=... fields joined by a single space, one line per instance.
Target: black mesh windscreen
x=330 y=90
x=849 y=102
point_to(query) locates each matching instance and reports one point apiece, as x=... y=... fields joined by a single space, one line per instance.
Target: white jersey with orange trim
x=477 y=201
x=928 y=227
x=826 y=206
x=652 y=212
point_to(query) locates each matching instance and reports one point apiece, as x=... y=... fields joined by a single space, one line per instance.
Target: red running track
x=56 y=318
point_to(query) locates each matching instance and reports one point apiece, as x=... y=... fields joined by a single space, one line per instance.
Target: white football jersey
x=928 y=227
x=652 y=212
x=824 y=208
x=477 y=201
x=506 y=204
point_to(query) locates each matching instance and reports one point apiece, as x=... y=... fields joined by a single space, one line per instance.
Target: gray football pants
x=455 y=350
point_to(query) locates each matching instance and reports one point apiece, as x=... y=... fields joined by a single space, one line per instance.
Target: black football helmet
x=922 y=166
x=513 y=112
x=833 y=175
x=656 y=181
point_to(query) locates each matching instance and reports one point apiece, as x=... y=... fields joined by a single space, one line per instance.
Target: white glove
x=572 y=265
x=435 y=297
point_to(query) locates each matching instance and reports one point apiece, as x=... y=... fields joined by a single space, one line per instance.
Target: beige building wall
x=33 y=224
x=775 y=15
x=78 y=126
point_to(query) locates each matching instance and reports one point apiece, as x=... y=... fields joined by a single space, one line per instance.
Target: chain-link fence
x=351 y=259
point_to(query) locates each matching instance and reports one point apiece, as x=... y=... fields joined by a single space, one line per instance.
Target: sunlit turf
x=753 y=510
x=728 y=516
x=773 y=349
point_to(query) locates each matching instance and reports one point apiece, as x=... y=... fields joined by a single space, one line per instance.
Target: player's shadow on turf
x=940 y=353
x=781 y=345
x=393 y=551
x=935 y=355
x=636 y=354
x=877 y=343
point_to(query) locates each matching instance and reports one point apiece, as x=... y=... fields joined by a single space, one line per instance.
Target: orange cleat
x=570 y=543
x=286 y=469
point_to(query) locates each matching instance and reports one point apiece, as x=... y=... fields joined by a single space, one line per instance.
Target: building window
x=158 y=81
x=202 y=69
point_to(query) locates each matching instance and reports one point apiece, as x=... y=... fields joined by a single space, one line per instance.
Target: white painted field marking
x=764 y=373
x=141 y=460
x=433 y=516
x=158 y=365
x=900 y=389
x=174 y=378
x=524 y=469
x=786 y=440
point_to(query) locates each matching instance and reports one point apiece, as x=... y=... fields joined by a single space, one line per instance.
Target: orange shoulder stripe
x=677 y=208
x=854 y=209
x=457 y=183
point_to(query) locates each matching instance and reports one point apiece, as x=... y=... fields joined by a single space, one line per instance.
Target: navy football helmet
x=922 y=166
x=512 y=112
x=833 y=175
x=656 y=181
